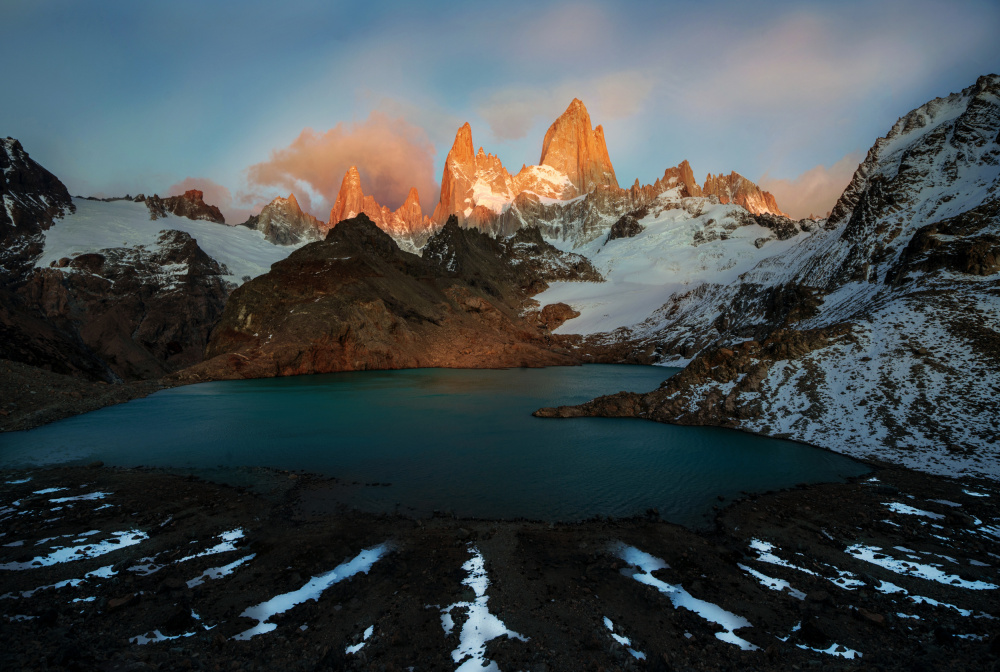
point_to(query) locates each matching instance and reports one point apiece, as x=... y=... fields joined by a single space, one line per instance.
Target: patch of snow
x=480 y=625
x=80 y=498
x=312 y=590
x=642 y=566
x=875 y=556
x=624 y=641
x=219 y=572
x=157 y=636
x=227 y=544
x=909 y=510
x=354 y=648
x=779 y=585
x=67 y=554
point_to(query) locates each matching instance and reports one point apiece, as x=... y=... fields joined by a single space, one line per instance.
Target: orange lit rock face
x=734 y=188
x=477 y=187
x=407 y=223
x=472 y=179
x=578 y=151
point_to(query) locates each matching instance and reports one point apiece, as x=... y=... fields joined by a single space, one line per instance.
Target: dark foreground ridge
x=159 y=571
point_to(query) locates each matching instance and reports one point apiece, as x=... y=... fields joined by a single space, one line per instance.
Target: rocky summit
x=283 y=222
x=575 y=149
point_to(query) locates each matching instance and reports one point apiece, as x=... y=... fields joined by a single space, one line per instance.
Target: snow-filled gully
x=312 y=590
x=480 y=626
x=641 y=568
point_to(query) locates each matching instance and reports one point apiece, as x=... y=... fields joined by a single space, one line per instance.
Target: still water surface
x=445 y=439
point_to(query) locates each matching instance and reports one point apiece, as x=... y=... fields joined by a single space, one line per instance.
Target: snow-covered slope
x=97 y=225
x=686 y=243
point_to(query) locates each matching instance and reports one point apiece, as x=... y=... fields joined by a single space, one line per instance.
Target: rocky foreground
x=112 y=569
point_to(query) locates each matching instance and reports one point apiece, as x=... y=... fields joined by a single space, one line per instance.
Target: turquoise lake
x=455 y=440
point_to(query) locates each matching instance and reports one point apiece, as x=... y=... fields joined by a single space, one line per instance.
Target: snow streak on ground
x=90 y=550
x=480 y=625
x=312 y=590
x=642 y=566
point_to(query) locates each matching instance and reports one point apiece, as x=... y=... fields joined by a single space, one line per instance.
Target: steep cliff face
x=283 y=222
x=143 y=311
x=572 y=147
x=407 y=225
x=32 y=198
x=878 y=335
x=734 y=188
x=472 y=179
x=356 y=301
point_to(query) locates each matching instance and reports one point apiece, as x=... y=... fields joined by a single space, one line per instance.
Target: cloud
x=391 y=154
x=215 y=194
x=512 y=111
x=815 y=191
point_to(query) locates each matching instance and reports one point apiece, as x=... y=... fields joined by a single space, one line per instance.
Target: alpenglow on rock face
x=734 y=188
x=477 y=188
x=407 y=225
x=578 y=151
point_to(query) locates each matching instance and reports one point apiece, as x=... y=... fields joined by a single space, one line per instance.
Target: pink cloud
x=392 y=155
x=815 y=191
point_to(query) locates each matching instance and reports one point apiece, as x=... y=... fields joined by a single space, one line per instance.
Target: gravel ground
x=138 y=547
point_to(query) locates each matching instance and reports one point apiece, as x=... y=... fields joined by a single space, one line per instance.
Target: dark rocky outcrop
x=356 y=301
x=191 y=204
x=626 y=227
x=128 y=313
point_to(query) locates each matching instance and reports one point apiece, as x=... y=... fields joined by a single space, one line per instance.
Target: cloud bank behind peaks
x=392 y=155
x=815 y=191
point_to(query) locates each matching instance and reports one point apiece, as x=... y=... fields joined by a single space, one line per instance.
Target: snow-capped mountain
x=875 y=334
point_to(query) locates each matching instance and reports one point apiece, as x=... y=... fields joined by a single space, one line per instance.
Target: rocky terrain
x=734 y=188
x=32 y=199
x=355 y=301
x=283 y=222
x=191 y=204
x=114 y=569
x=877 y=334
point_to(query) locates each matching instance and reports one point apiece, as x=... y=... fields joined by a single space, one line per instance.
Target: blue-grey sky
x=253 y=99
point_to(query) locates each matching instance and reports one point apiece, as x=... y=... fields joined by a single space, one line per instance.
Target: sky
x=250 y=100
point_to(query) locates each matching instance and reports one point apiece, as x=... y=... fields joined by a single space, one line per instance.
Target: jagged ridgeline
x=878 y=335
x=873 y=332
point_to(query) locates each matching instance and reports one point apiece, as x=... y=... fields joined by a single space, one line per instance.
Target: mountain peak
x=577 y=150
x=412 y=199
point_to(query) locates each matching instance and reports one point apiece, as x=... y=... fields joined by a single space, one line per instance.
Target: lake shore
x=552 y=584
